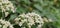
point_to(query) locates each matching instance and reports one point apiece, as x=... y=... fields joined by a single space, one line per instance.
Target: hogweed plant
x=5 y=24
x=29 y=20
x=6 y=6
x=25 y=20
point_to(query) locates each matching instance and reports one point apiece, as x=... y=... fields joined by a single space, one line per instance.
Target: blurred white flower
x=47 y=20
x=50 y=20
x=5 y=24
x=30 y=19
x=6 y=14
x=6 y=5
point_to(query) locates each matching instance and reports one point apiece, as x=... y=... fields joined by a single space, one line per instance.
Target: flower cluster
x=5 y=24
x=6 y=6
x=29 y=19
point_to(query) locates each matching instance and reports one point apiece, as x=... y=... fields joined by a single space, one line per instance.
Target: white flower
x=50 y=20
x=0 y=26
x=6 y=14
x=30 y=19
x=6 y=5
x=5 y=24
